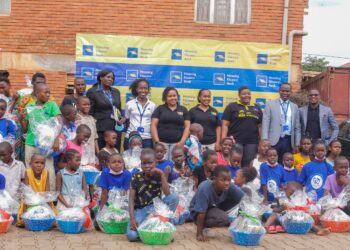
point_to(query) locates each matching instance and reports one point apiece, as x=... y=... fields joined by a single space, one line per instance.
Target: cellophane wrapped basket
x=9 y=204
x=114 y=218
x=90 y=173
x=71 y=220
x=5 y=221
x=247 y=229
x=157 y=229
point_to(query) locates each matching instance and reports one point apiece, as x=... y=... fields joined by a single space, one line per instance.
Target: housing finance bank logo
x=175 y=77
x=218 y=101
x=133 y=52
x=261 y=102
x=261 y=81
x=87 y=73
x=219 y=56
x=219 y=79
x=131 y=75
x=176 y=54
x=88 y=50
x=262 y=59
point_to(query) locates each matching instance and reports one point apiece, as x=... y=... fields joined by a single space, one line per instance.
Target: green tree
x=314 y=63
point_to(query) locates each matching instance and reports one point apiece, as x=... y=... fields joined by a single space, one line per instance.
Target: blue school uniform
x=2 y=182
x=233 y=171
x=272 y=177
x=290 y=175
x=313 y=176
x=109 y=181
x=163 y=165
x=7 y=128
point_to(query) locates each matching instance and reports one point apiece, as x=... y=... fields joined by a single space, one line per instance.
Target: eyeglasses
x=311 y=95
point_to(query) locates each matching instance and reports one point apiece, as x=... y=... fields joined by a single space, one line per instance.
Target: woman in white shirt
x=139 y=111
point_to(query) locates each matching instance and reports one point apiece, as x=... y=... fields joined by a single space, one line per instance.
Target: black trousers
x=283 y=146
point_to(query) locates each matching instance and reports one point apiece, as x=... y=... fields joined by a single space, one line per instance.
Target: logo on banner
x=261 y=81
x=219 y=56
x=131 y=75
x=87 y=73
x=219 y=79
x=128 y=97
x=88 y=50
x=133 y=52
x=262 y=59
x=175 y=77
x=261 y=102
x=218 y=101
x=176 y=54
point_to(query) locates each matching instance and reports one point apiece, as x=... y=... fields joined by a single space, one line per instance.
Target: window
x=5 y=7
x=223 y=11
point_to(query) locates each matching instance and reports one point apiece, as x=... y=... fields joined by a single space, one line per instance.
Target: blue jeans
x=141 y=214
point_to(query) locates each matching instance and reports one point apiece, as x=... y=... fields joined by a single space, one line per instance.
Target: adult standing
x=242 y=121
x=316 y=120
x=139 y=112
x=279 y=124
x=79 y=90
x=170 y=122
x=208 y=117
x=105 y=106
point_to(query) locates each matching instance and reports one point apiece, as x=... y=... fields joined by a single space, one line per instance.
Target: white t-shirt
x=256 y=165
x=13 y=175
x=134 y=111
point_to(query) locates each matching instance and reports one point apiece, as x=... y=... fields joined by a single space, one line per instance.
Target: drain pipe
x=290 y=43
x=285 y=22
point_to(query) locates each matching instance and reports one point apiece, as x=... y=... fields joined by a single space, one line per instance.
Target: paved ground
x=184 y=240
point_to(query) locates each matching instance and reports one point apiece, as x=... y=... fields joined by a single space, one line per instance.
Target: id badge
x=140 y=129
x=285 y=128
x=115 y=114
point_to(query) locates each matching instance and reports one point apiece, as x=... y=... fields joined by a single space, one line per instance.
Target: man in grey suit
x=280 y=124
x=316 y=120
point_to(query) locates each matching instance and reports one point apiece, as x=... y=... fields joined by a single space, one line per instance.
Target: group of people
x=271 y=149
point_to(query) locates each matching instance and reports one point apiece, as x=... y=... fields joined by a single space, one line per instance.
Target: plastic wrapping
x=32 y=198
x=28 y=90
x=88 y=158
x=132 y=158
x=5 y=221
x=38 y=213
x=156 y=229
x=297 y=222
x=45 y=129
x=7 y=203
x=91 y=173
x=114 y=218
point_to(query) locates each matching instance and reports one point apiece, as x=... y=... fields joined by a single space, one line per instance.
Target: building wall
x=49 y=27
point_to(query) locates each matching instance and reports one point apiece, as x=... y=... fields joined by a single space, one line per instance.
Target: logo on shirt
x=316 y=181
x=87 y=73
x=88 y=50
x=176 y=54
x=180 y=113
x=219 y=56
x=272 y=186
x=262 y=59
x=133 y=52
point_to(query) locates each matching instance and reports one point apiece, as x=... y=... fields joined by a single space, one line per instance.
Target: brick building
x=40 y=35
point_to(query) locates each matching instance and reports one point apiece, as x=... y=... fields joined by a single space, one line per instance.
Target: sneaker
x=209 y=233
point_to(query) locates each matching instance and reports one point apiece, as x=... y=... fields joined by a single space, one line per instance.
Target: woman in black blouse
x=170 y=122
x=105 y=106
x=242 y=121
x=208 y=117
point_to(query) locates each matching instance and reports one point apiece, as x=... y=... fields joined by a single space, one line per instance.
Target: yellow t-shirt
x=300 y=161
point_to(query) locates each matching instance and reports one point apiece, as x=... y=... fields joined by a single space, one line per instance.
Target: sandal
x=280 y=229
x=271 y=230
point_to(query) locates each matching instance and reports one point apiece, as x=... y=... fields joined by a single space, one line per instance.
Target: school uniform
x=272 y=177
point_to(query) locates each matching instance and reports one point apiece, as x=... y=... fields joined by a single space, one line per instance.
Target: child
x=334 y=151
x=300 y=159
x=271 y=176
x=50 y=108
x=289 y=172
x=7 y=127
x=336 y=182
x=224 y=154
x=206 y=171
x=69 y=114
x=261 y=157
x=181 y=169
x=115 y=176
x=193 y=148
x=272 y=224
x=82 y=136
x=314 y=174
x=70 y=181
x=2 y=182
x=103 y=157
x=244 y=176
x=235 y=160
x=110 y=138
x=165 y=165
x=38 y=178
x=11 y=169
x=144 y=187
x=83 y=117
x=213 y=199
x=132 y=155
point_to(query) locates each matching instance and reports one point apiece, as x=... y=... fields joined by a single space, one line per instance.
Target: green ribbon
x=254 y=219
x=115 y=210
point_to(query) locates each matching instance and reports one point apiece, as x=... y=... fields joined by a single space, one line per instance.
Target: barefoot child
x=213 y=199
x=225 y=152
x=334 y=151
x=144 y=187
x=300 y=159
x=289 y=172
x=206 y=171
x=70 y=181
x=193 y=148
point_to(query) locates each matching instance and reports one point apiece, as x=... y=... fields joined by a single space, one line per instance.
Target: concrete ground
x=184 y=240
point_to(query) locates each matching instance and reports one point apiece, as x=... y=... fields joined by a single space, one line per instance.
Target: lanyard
x=108 y=95
x=285 y=111
x=143 y=112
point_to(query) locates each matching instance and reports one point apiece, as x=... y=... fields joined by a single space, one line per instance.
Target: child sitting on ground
x=11 y=169
x=213 y=199
x=225 y=151
x=289 y=172
x=336 y=182
x=132 y=155
x=69 y=113
x=206 y=171
x=244 y=176
x=70 y=181
x=110 y=138
x=115 y=176
x=7 y=127
x=273 y=224
x=181 y=169
x=235 y=160
x=303 y=157
x=144 y=187
x=193 y=148
x=271 y=174
x=314 y=174
x=334 y=151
